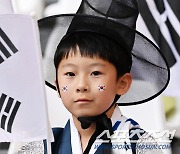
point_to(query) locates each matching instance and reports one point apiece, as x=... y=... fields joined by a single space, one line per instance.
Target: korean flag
x=23 y=111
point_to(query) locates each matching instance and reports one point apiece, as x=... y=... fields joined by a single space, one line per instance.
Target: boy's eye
x=70 y=74
x=96 y=73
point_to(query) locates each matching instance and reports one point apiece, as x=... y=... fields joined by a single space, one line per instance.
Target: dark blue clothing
x=62 y=137
x=62 y=141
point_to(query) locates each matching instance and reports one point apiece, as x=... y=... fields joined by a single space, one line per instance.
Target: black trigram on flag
x=162 y=19
x=7 y=48
x=8 y=111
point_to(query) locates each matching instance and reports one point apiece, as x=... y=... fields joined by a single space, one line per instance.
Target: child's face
x=87 y=85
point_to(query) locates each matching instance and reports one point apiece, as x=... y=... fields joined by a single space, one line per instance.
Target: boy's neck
x=92 y=127
x=85 y=134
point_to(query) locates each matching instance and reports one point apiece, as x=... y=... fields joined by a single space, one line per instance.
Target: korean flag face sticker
x=101 y=87
x=64 y=88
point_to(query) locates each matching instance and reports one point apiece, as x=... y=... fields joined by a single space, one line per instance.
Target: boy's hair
x=94 y=45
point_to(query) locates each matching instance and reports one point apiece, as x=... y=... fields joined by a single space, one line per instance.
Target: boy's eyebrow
x=97 y=64
x=91 y=65
x=69 y=65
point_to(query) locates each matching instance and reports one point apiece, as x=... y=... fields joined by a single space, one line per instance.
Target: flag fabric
x=160 y=21
x=23 y=111
x=7 y=126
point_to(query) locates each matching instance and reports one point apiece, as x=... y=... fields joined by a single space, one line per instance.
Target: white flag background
x=23 y=112
x=160 y=21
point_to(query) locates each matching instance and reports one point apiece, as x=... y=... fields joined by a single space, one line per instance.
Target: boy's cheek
x=65 y=97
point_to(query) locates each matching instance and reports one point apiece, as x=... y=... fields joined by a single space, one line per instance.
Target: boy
x=88 y=79
x=100 y=58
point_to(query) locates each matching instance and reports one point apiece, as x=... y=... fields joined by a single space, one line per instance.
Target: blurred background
x=159 y=21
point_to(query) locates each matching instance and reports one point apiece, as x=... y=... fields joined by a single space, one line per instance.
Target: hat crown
x=104 y=17
x=122 y=11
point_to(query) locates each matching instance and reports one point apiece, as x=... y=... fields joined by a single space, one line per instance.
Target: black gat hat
x=114 y=19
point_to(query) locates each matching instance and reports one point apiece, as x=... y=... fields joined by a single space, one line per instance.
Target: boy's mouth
x=83 y=100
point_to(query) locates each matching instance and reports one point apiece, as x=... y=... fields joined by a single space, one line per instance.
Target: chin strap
x=100 y=119
x=102 y=123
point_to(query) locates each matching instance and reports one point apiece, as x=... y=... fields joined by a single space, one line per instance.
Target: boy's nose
x=82 y=85
x=82 y=89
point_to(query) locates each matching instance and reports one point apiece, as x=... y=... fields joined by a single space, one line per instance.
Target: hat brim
x=150 y=71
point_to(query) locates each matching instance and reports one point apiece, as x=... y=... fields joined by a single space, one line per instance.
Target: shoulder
x=58 y=133
x=148 y=145
x=142 y=142
x=62 y=139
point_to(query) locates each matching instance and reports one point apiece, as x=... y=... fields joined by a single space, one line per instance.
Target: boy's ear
x=58 y=92
x=124 y=83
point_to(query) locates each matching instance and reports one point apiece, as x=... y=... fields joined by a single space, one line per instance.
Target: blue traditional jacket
x=63 y=137
x=67 y=139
